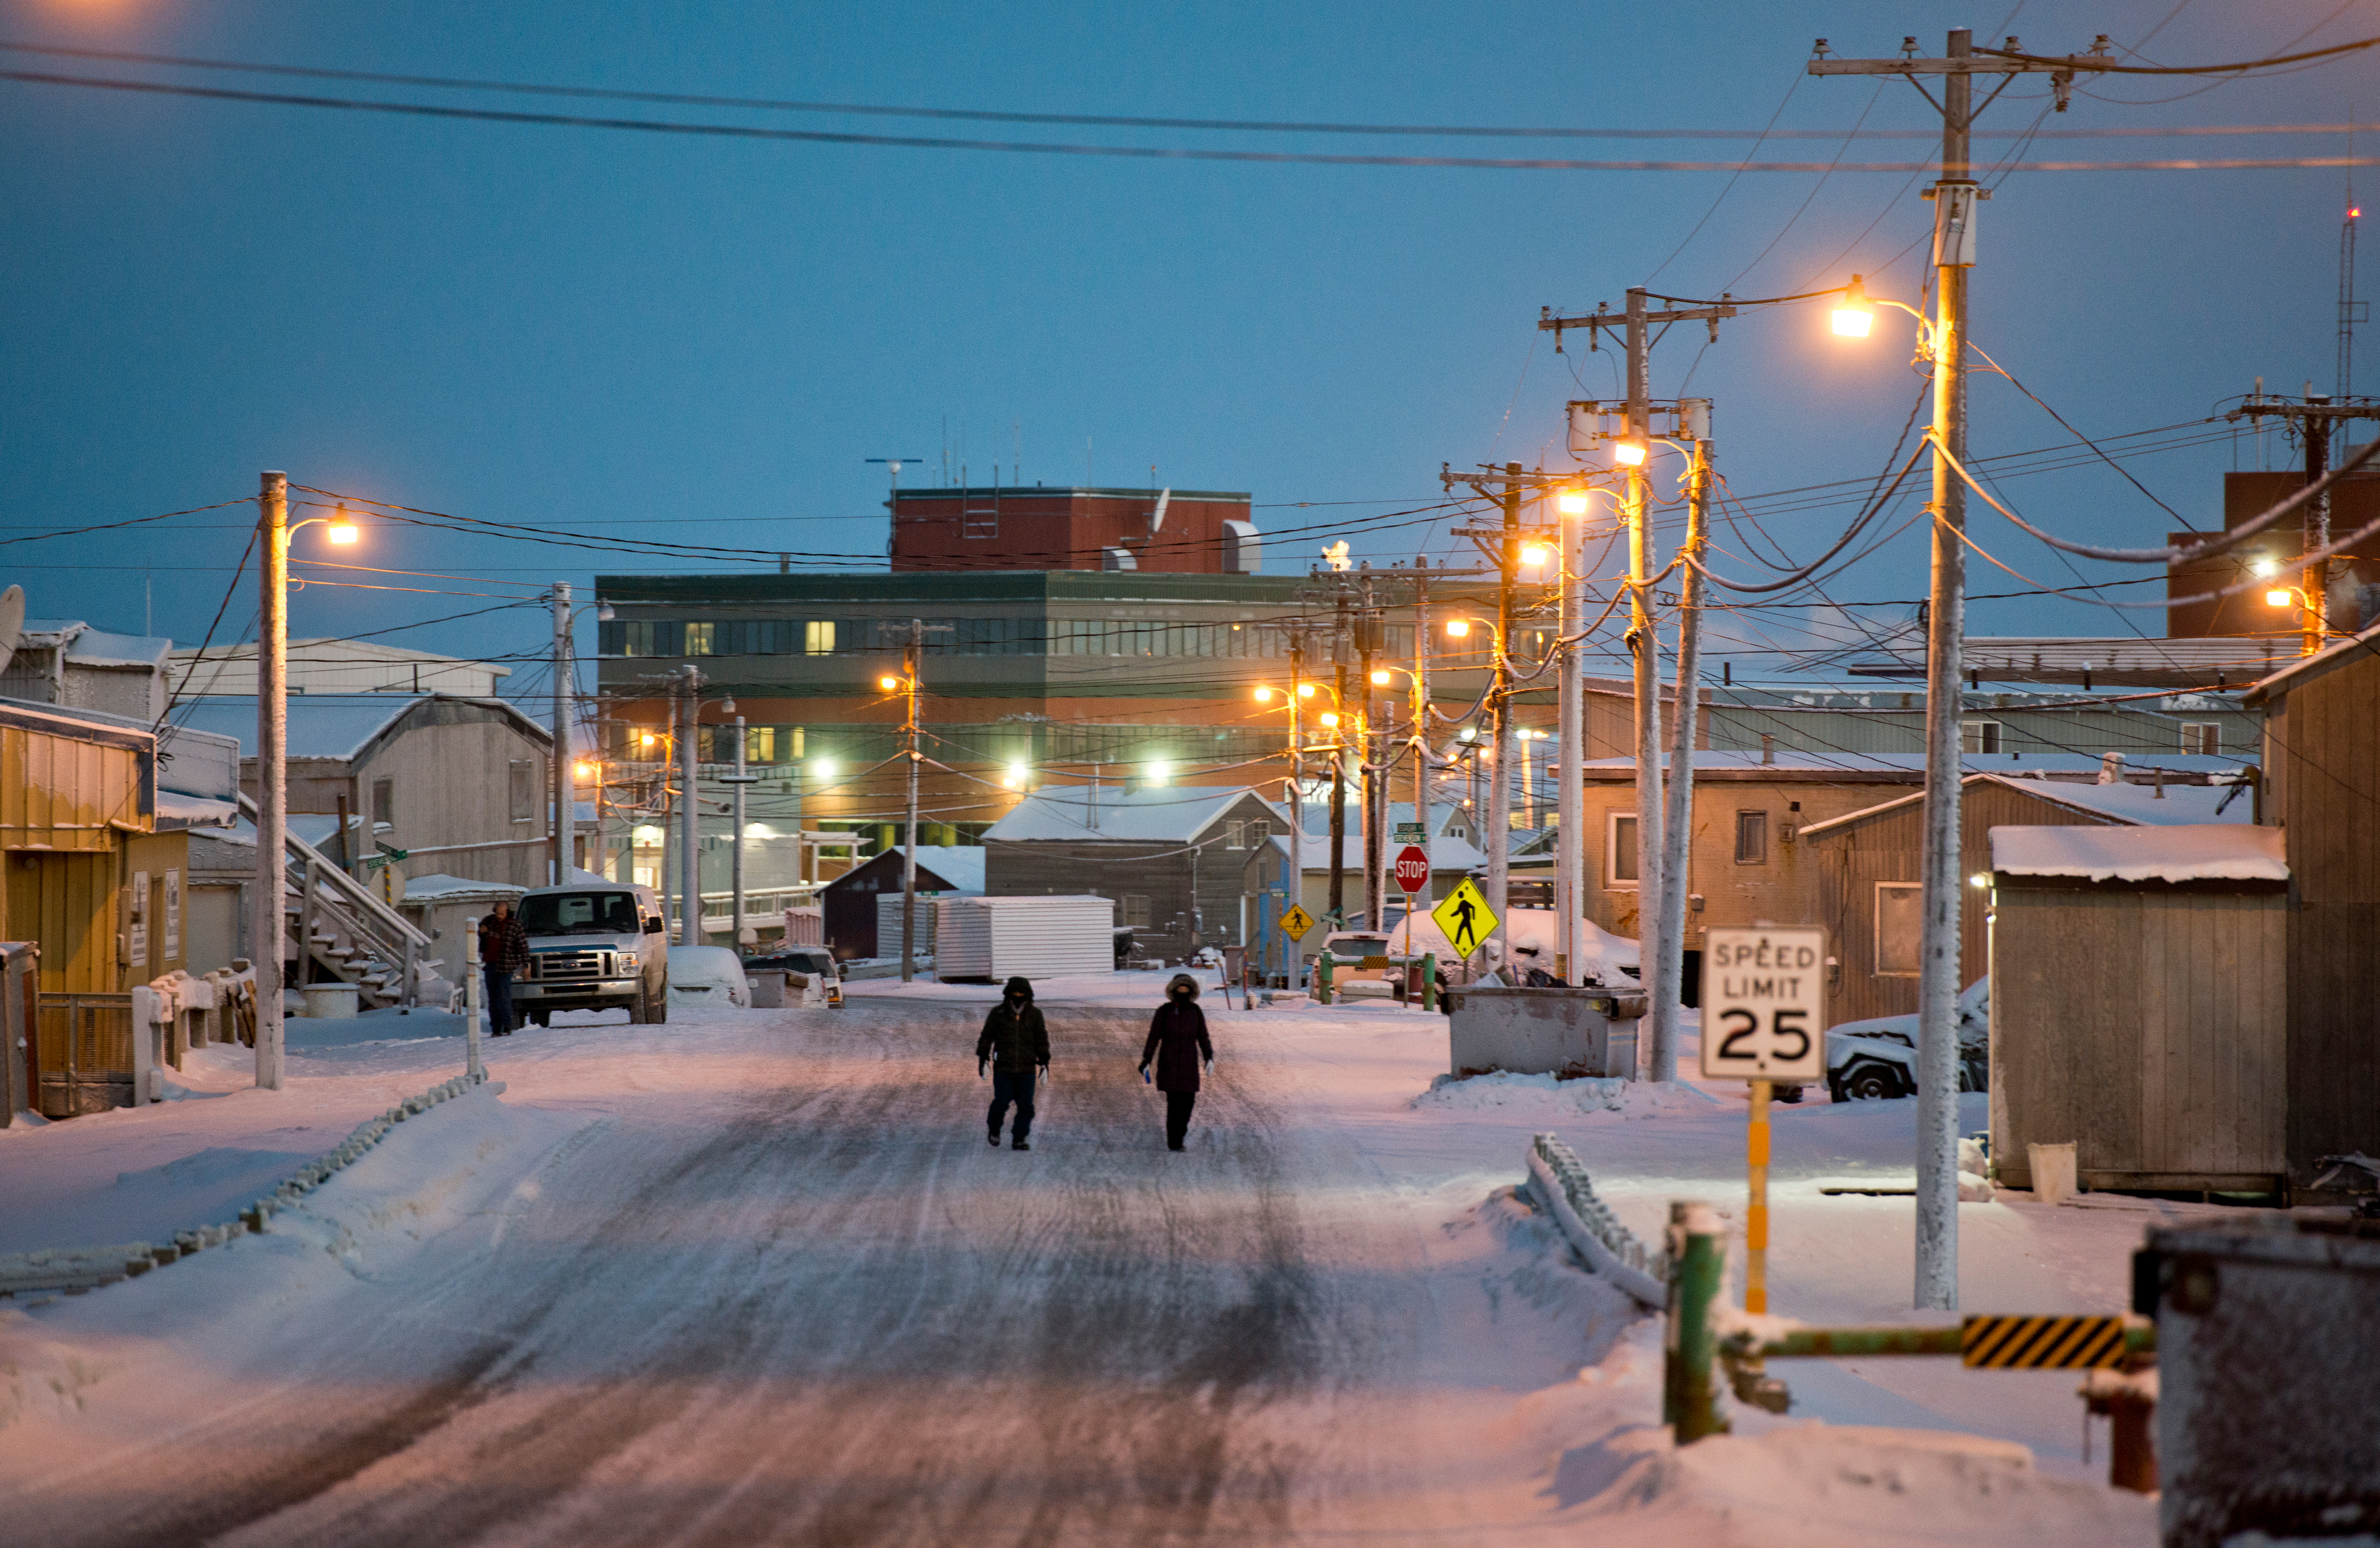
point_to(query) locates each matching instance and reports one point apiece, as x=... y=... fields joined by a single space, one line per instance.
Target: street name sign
x=1764 y=1005
x=1464 y=917
x=1411 y=832
x=1413 y=869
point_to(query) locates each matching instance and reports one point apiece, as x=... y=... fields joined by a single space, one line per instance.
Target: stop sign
x=1412 y=868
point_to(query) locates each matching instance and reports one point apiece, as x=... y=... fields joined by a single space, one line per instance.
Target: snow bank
x=1544 y=1095
x=2193 y=852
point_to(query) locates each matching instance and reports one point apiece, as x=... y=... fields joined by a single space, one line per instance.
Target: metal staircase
x=337 y=930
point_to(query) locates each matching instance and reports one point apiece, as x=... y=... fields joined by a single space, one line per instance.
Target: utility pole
x=565 y=808
x=743 y=779
x=1678 y=820
x=1570 y=754
x=689 y=844
x=1500 y=722
x=1296 y=792
x=272 y=771
x=1339 y=644
x=1369 y=641
x=2316 y=419
x=1632 y=449
x=910 y=652
x=909 y=829
x=1955 y=195
x=1421 y=723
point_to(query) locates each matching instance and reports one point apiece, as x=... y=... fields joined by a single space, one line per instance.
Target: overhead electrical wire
x=1134 y=153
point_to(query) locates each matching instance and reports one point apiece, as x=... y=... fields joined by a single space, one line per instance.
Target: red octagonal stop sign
x=1412 y=868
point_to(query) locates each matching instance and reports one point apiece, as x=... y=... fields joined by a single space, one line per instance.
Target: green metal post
x=1697 y=1269
x=1429 y=981
x=1322 y=977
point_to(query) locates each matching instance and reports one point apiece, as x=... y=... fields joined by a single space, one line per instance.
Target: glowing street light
x=1306 y=691
x=1628 y=453
x=1572 y=502
x=1159 y=772
x=1264 y=696
x=1533 y=554
x=1853 y=317
x=1329 y=717
x=2279 y=596
x=1458 y=629
x=342 y=530
x=1381 y=677
x=889 y=684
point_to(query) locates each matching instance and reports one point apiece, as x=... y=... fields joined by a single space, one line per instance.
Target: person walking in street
x=503 y=951
x=1177 y=1042
x=1015 y=1041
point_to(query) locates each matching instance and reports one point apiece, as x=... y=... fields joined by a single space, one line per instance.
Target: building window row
x=677 y=639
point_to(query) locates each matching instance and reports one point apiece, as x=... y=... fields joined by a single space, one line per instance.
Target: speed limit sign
x=1764 y=1005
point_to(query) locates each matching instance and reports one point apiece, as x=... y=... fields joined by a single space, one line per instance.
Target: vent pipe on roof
x=1768 y=748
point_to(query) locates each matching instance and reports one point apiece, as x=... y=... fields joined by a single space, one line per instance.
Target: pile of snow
x=1548 y=1096
x=2192 y=852
x=707 y=976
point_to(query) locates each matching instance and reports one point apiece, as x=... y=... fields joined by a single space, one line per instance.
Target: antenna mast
x=2351 y=311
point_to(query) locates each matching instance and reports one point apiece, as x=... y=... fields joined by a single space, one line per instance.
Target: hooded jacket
x=1014 y=1040
x=1177 y=1038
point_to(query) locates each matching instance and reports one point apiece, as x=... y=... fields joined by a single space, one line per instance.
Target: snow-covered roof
x=1172 y=815
x=194 y=812
x=440 y=887
x=98 y=648
x=2186 y=852
x=1794 y=763
x=327 y=727
x=960 y=865
x=1445 y=854
x=2120 y=803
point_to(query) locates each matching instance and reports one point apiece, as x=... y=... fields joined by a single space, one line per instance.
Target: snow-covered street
x=755 y=1277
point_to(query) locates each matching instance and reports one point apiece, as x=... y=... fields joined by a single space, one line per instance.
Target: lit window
x=698 y=638
x=1900 y=928
x=818 y=637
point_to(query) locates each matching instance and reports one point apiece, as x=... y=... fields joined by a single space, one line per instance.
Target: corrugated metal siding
x=60 y=793
x=2326 y=749
x=2148 y=1026
x=68 y=902
x=1041 y=937
x=965 y=932
x=888 y=923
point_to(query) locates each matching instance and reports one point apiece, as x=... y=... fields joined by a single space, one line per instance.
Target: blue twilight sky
x=607 y=334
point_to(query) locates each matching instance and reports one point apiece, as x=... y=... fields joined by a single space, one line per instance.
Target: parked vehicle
x=594 y=945
x=1361 y=965
x=811 y=973
x=1876 y=1060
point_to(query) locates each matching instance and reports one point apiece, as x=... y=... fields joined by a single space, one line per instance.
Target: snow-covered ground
x=753 y=1273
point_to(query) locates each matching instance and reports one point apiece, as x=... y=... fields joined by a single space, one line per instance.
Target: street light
x=1572 y=502
x=1381 y=677
x=889 y=684
x=1628 y=453
x=1853 y=318
x=273 y=756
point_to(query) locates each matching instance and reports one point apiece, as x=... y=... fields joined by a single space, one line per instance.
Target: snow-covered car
x=707 y=976
x=1360 y=965
x=593 y=945
x=1876 y=1059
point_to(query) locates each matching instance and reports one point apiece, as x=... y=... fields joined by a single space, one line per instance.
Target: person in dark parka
x=1014 y=1041
x=1177 y=1042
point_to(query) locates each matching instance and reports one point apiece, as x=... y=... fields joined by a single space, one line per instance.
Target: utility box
x=2268 y=1375
x=1542 y=1031
x=1032 y=937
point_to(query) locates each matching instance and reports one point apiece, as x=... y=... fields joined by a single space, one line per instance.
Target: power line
x=1132 y=152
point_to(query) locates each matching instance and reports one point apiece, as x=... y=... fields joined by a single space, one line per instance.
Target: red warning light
x=2354 y=210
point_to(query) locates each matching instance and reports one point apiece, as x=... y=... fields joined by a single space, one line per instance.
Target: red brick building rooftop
x=1188 y=532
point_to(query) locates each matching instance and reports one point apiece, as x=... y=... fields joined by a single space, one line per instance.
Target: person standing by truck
x=1177 y=1041
x=503 y=951
x=1016 y=1040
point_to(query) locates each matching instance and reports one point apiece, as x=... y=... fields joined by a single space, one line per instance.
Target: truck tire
x=636 y=1012
x=1870 y=1080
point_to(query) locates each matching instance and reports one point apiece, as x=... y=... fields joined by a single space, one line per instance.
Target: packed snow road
x=806 y=1303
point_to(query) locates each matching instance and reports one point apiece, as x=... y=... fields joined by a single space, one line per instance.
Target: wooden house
x=2139 y=1002
x=851 y=902
x=2322 y=768
x=1863 y=871
x=1175 y=859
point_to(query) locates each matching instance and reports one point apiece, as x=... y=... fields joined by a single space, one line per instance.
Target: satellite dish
x=12 y=622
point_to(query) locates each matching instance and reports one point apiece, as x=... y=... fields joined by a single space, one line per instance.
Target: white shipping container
x=1000 y=938
x=888 y=923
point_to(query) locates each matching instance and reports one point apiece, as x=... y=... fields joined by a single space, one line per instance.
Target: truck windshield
x=579 y=914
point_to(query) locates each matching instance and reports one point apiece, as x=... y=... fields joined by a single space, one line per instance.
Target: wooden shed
x=2139 y=1003
x=2322 y=767
x=851 y=903
x=1866 y=871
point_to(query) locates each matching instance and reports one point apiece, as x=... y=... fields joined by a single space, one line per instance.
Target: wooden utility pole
x=1338 y=643
x=272 y=772
x=909 y=831
x=559 y=786
x=689 y=844
x=2316 y=419
x=1370 y=765
x=1678 y=816
x=1633 y=449
x=1955 y=195
x=1297 y=688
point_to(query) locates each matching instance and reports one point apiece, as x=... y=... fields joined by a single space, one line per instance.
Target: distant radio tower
x=2349 y=312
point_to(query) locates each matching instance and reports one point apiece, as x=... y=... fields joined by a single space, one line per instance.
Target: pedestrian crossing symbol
x=1296 y=922
x=1464 y=917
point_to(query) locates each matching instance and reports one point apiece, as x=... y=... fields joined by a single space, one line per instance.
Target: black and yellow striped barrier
x=2041 y=1343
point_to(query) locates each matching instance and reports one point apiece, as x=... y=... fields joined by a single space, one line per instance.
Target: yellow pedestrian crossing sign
x=1297 y=921
x=1465 y=918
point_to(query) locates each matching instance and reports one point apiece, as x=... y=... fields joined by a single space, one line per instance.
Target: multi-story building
x=1185 y=531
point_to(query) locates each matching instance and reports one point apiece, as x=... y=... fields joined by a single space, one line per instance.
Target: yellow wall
x=67 y=903
x=59 y=793
x=68 y=806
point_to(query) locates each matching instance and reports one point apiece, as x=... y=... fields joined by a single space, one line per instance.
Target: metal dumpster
x=1542 y=1031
